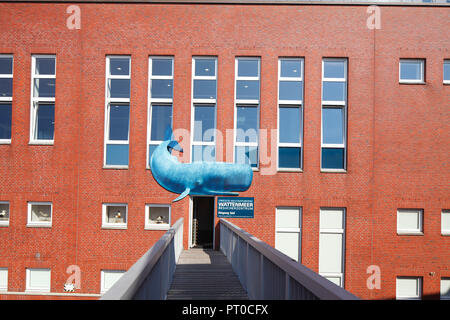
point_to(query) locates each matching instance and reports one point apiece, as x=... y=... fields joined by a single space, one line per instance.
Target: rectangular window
x=412 y=71
x=38 y=280
x=203 y=114
x=114 y=216
x=4 y=213
x=290 y=113
x=334 y=114
x=446 y=72
x=445 y=288
x=247 y=75
x=6 y=87
x=409 y=288
x=3 y=279
x=157 y=216
x=39 y=214
x=332 y=244
x=117 y=112
x=445 y=222
x=288 y=231
x=43 y=81
x=108 y=278
x=160 y=101
x=409 y=221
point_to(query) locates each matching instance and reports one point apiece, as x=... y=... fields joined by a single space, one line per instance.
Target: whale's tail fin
x=173 y=144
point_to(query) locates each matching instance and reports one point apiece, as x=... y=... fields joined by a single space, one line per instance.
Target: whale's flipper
x=184 y=194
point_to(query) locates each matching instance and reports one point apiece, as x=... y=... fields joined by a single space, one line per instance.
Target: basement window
x=4 y=213
x=108 y=278
x=157 y=217
x=114 y=216
x=409 y=288
x=412 y=71
x=39 y=214
x=38 y=280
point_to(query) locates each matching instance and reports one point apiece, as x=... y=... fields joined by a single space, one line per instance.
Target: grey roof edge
x=409 y=3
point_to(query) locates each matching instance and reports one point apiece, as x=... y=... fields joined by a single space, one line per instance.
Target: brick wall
x=398 y=135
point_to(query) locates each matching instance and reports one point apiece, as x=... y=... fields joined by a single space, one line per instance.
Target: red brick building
x=395 y=134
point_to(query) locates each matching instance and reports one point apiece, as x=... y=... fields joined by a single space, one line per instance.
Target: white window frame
x=39 y=224
x=29 y=288
x=293 y=104
x=102 y=279
x=4 y=287
x=250 y=103
x=110 y=225
x=158 y=101
x=412 y=81
x=335 y=104
x=35 y=101
x=410 y=231
x=446 y=61
x=6 y=223
x=7 y=99
x=150 y=226
x=341 y=231
x=444 y=232
x=119 y=101
x=419 y=293
x=199 y=102
x=442 y=297
x=291 y=230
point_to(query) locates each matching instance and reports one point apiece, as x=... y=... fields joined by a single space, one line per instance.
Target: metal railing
x=150 y=277
x=266 y=273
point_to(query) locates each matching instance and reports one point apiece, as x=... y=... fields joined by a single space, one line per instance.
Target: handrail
x=157 y=265
x=313 y=285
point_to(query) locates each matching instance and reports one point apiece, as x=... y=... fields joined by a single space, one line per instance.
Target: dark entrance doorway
x=203 y=222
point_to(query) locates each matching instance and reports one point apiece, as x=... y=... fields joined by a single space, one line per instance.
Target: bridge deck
x=203 y=274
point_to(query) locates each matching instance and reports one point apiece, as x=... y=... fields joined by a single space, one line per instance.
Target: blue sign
x=231 y=207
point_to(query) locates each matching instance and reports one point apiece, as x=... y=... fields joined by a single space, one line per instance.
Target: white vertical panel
x=445 y=222
x=288 y=242
x=445 y=288
x=288 y=232
x=3 y=279
x=331 y=244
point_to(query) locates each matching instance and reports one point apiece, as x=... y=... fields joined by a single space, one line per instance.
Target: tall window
x=117 y=120
x=332 y=244
x=334 y=110
x=6 y=85
x=288 y=231
x=290 y=113
x=203 y=115
x=160 y=101
x=446 y=71
x=247 y=71
x=43 y=99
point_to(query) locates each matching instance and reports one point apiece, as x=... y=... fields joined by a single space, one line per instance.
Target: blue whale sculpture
x=197 y=178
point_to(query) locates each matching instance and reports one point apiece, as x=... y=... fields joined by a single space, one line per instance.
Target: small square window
x=409 y=221
x=445 y=288
x=409 y=288
x=115 y=216
x=39 y=214
x=3 y=279
x=446 y=71
x=4 y=213
x=108 y=278
x=412 y=71
x=445 y=222
x=38 y=280
x=157 y=216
